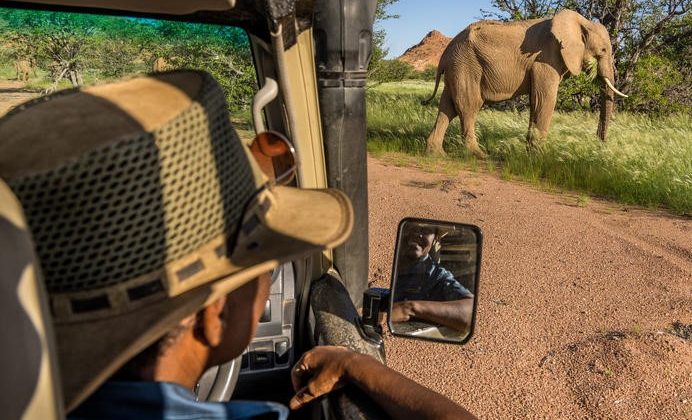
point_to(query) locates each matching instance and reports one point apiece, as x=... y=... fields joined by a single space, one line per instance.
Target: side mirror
x=435 y=280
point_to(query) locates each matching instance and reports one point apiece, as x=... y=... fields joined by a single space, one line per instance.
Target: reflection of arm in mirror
x=455 y=314
x=327 y=368
x=429 y=292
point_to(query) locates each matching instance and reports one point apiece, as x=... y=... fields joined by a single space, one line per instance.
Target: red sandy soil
x=576 y=301
x=12 y=93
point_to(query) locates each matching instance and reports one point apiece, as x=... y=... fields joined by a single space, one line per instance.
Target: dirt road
x=576 y=300
x=12 y=93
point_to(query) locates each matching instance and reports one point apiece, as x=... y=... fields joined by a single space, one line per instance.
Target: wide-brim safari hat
x=144 y=206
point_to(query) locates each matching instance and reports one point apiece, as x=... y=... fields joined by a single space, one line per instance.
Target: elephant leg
x=445 y=114
x=468 y=125
x=543 y=97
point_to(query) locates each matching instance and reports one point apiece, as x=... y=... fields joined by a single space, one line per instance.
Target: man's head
x=417 y=240
x=145 y=207
x=216 y=334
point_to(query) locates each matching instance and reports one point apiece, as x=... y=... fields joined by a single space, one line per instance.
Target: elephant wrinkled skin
x=492 y=61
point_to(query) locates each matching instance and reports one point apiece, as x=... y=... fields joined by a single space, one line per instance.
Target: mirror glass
x=435 y=280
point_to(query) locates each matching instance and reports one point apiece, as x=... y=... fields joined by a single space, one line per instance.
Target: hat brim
x=280 y=225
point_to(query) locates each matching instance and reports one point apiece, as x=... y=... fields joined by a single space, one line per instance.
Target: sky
x=418 y=17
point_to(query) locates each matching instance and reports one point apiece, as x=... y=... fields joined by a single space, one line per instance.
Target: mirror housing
x=435 y=279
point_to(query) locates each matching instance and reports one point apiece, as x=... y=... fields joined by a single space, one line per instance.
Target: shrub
x=578 y=93
x=654 y=79
x=428 y=74
x=391 y=71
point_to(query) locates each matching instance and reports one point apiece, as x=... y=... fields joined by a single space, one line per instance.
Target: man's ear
x=213 y=321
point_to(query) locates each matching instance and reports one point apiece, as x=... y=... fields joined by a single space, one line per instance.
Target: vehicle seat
x=29 y=380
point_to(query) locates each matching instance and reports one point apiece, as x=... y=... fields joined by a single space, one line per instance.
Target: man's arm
x=326 y=368
x=455 y=314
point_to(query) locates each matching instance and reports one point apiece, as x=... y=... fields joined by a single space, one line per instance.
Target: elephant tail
x=440 y=71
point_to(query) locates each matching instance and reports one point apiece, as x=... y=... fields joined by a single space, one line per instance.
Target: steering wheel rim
x=218 y=382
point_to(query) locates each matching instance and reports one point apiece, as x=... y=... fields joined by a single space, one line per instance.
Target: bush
x=391 y=71
x=428 y=74
x=111 y=57
x=655 y=78
x=578 y=93
x=103 y=48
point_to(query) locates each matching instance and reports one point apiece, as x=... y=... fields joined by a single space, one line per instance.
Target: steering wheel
x=218 y=382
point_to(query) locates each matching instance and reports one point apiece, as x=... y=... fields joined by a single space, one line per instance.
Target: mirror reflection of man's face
x=417 y=241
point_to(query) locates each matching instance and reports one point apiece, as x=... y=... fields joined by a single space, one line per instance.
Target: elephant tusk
x=610 y=85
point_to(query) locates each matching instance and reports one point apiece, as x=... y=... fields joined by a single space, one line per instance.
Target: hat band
x=208 y=262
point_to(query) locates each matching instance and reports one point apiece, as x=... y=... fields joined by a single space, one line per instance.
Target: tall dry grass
x=645 y=161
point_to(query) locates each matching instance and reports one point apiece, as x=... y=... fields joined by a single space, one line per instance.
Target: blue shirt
x=166 y=400
x=426 y=280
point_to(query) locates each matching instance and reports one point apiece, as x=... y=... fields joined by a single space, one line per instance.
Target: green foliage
x=428 y=74
x=391 y=71
x=381 y=12
x=222 y=51
x=507 y=10
x=653 y=78
x=98 y=48
x=379 y=52
x=578 y=93
x=56 y=40
x=646 y=161
x=637 y=28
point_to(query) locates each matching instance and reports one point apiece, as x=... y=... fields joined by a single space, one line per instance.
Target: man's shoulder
x=440 y=272
x=445 y=280
x=165 y=400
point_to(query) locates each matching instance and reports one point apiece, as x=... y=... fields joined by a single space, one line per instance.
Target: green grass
x=7 y=71
x=421 y=88
x=645 y=161
x=38 y=79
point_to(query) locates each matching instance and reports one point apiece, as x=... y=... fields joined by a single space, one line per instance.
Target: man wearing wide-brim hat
x=155 y=231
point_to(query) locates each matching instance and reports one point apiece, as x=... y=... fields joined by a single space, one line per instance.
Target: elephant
x=493 y=61
x=23 y=67
x=160 y=64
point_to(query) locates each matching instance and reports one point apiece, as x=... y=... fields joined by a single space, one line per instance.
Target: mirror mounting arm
x=375 y=303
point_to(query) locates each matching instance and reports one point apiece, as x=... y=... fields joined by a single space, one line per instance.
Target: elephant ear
x=568 y=30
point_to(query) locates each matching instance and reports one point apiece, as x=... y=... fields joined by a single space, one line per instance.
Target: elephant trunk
x=606 y=70
x=607 y=101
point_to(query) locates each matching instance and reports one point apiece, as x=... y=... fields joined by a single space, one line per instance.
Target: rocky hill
x=427 y=52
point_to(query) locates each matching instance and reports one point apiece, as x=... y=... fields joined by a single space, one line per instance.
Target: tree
x=637 y=28
x=221 y=50
x=57 y=38
x=379 y=35
x=391 y=71
x=429 y=73
x=507 y=10
x=655 y=76
x=109 y=47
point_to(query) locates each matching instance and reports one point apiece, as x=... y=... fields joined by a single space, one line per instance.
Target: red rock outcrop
x=427 y=52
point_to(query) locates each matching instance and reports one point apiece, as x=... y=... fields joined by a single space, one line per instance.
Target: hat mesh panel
x=127 y=208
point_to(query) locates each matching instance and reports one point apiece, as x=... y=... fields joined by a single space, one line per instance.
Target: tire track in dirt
x=559 y=280
x=673 y=254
